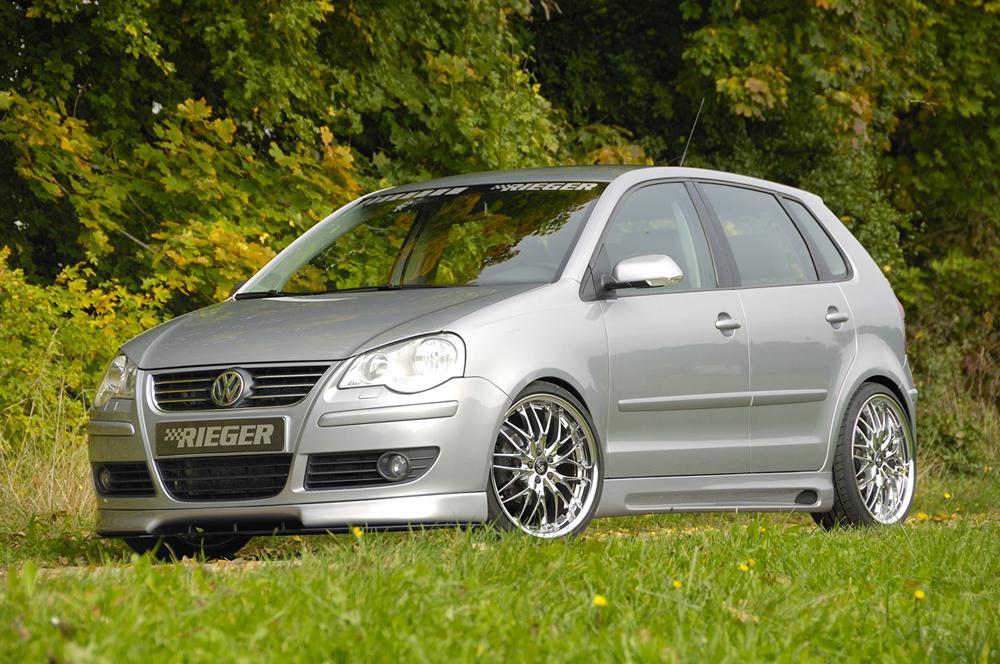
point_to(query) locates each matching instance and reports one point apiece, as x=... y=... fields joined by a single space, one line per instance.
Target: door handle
x=835 y=317
x=727 y=324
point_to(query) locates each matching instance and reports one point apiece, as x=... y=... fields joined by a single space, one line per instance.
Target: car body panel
x=699 y=422
x=798 y=362
x=680 y=389
x=567 y=343
x=758 y=492
x=326 y=327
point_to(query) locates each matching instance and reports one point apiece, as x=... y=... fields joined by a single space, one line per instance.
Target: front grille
x=265 y=386
x=349 y=470
x=240 y=477
x=127 y=479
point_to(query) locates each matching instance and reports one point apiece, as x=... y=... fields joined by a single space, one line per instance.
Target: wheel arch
x=897 y=391
x=877 y=376
x=568 y=383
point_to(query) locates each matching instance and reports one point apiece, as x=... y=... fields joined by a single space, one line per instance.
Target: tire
x=874 y=466
x=543 y=488
x=171 y=549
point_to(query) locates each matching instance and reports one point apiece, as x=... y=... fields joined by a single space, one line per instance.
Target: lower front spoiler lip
x=263 y=529
x=380 y=514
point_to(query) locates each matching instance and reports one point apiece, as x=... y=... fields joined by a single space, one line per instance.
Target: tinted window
x=660 y=219
x=767 y=247
x=820 y=240
x=463 y=236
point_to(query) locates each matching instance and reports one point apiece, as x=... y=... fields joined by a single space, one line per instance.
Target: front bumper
x=388 y=513
x=458 y=417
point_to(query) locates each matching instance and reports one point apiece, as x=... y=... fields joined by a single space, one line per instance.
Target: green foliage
x=57 y=340
x=197 y=210
x=165 y=137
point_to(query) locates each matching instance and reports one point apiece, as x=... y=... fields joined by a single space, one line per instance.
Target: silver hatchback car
x=528 y=348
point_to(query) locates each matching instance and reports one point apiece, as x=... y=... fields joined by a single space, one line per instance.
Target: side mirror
x=648 y=271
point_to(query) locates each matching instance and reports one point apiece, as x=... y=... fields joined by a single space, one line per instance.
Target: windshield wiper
x=384 y=287
x=257 y=295
x=409 y=286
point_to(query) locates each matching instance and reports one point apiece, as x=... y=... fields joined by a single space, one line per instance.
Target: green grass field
x=692 y=588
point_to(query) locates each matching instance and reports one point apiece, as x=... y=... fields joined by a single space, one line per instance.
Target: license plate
x=220 y=436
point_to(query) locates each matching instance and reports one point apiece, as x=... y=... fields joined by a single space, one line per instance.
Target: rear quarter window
x=827 y=250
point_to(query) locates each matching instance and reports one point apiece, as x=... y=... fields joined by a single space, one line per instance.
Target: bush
x=57 y=341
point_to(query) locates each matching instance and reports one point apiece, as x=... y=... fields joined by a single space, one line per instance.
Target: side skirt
x=749 y=492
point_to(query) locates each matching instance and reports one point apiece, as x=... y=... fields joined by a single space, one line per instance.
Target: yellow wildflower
x=919 y=594
x=677 y=584
x=600 y=600
x=744 y=567
x=922 y=516
x=357 y=532
x=947 y=495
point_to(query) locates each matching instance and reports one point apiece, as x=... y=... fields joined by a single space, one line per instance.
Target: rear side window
x=819 y=239
x=766 y=245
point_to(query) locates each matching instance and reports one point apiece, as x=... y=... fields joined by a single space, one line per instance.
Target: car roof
x=597 y=173
x=590 y=173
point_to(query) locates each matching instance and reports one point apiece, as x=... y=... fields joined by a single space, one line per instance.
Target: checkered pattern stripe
x=173 y=434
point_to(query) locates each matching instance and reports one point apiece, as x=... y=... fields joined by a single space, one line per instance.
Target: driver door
x=679 y=385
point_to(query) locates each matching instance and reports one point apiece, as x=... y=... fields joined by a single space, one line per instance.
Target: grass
x=925 y=591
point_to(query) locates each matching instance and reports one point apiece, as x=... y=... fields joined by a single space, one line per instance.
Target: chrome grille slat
x=276 y=396
x=183 y=380
x=190 y=389
x=280 y=385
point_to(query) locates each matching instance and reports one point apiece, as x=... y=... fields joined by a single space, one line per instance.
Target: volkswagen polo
x=530 y=349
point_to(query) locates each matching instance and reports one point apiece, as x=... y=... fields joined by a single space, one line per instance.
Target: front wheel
x=210 y=547
x=874 y=467
x=546 y=472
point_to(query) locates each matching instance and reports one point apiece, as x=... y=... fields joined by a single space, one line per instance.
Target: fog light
x=393 y=466
x=104 y=479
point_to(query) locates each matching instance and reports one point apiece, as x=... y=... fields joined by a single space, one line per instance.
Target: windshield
x=463 y=236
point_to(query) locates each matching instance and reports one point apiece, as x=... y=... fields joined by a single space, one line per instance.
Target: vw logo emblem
x=227 y=388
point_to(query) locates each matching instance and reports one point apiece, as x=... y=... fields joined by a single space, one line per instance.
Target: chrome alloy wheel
x=883 y=459
x=544 y=471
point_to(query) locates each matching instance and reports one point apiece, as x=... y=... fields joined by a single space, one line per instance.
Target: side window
x=766 y=245
x=661 y=219
x=819 y=239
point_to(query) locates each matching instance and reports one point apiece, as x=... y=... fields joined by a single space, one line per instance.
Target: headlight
x=410 y=366
x=118 y=382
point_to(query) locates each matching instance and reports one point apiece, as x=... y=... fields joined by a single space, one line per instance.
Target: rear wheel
x=546 y=473
x=874 y=467
x=209 y=547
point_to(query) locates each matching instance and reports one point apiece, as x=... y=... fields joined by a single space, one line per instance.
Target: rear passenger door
x=802 y=339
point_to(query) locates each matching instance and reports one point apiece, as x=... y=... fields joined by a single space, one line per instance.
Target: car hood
x=305 y=329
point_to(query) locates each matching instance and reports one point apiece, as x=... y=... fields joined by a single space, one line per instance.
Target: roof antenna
x=693 y=125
